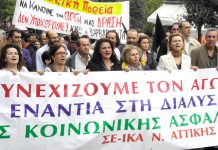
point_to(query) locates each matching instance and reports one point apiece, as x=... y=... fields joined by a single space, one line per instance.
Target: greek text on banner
x=90 y=18
x=109 y=110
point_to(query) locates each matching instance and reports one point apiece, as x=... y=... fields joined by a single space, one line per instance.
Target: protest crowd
x=49 y=51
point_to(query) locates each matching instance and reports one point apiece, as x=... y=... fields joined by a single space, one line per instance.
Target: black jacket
x=92 y=66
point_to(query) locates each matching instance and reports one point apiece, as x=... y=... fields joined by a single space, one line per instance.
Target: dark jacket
x=92 y=66
x=199 y=57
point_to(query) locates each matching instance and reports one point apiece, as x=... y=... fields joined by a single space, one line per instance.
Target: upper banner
x=90 y=18
x=109 y=110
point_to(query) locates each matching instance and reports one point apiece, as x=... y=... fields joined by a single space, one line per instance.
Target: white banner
x=90 y=18
x=109 y=110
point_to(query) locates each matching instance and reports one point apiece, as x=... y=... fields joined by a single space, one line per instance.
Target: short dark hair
x=45 y=56
x=82 y=37
x=11 y=32
x=117 y=36
x=25 y=36
x=174 y=25
x=74 y=35
x=54 y=48
x=66 y=38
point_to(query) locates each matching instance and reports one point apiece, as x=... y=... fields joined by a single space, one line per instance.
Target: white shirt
x=117 y=52
x=39 y=63
x=23 y=69
x=79 y=64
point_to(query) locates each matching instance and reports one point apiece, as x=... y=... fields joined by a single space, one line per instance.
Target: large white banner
x=109 y=110
x=90 y=18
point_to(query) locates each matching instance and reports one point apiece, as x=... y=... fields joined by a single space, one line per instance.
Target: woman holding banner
x=104 y=58
x=11 y=59
x=132 y=59
x=175 y=59
x=58 y=55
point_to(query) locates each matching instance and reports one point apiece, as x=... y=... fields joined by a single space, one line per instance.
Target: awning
x=168 y=13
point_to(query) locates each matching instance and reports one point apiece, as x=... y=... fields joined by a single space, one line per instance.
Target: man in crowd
x=114 y=38
x=2 y=38
x=132 y=37
x=206 y=56
x=79 y=60
x=14 y=37
x=72 y=46
x=52 y=37
x=190 y=43
x=43 y=39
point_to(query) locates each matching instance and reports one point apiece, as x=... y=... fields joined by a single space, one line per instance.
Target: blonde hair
x=171 y=38
x=126 y=55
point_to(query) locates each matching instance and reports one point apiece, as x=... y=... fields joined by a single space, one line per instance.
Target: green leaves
x=200 y=13
x=7 y=9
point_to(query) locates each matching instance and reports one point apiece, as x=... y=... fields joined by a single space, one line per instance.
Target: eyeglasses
x=61 y=53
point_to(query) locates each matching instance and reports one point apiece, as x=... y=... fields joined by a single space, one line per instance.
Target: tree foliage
x=7 y=9
x=140 y=10
x=199 y=13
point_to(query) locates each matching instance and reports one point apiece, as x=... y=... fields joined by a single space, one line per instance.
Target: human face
x=177 y=43
x=53 y=37
x=84 y=46
x=186 y=29
x=37 y=45
x=60 y=56
x=105 y=50
x=211 y=38
x=1 y=42
x=175 y=28
x=44 y=39
x=133 y=57
x=112 y=36
x=32 y=38
x=132 y=38
x=62 y=40
x=144 y=44
x=16 y=38
x=12 y=56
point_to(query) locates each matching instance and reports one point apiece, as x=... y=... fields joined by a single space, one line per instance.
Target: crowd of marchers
x=48 y=52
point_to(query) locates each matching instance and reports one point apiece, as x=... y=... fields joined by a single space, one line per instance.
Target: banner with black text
x=87 y=17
